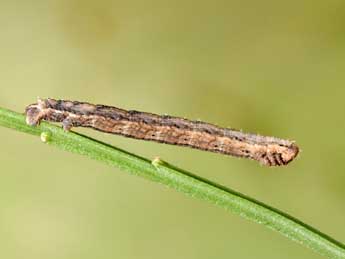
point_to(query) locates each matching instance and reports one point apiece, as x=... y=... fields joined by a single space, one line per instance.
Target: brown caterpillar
x=268 y=151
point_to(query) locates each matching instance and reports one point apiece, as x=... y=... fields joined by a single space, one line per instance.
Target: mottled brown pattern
x=269 y=151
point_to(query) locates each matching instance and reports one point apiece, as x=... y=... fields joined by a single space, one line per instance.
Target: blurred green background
x=268 y=67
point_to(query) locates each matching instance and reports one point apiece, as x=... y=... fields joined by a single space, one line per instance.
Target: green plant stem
x=180 y=180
